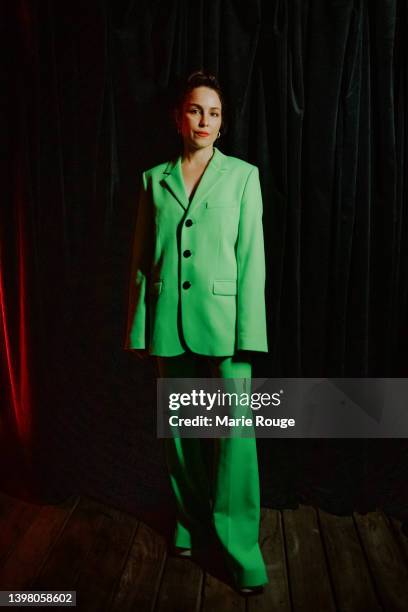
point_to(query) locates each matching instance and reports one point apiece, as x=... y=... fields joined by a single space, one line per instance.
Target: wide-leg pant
x=224 y=499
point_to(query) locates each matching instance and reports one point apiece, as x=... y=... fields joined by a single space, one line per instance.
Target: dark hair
x=200 y=78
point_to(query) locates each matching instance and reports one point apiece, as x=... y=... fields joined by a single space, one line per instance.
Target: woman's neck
x=197 y=157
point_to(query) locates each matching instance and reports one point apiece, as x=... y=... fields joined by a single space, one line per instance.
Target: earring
x=219 y=134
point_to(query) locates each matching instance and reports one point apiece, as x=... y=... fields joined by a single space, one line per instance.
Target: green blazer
x=199 y=266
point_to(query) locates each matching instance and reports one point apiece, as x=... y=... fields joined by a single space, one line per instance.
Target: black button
x=189 y=222
x=186 y=285
x=187 y=253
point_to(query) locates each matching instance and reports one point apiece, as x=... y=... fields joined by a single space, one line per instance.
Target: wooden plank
x=15 y=517
x=24 y=563
x=105 y=561
x=276 y=592
x=138 y=585
x=68 y=556
x=400 y=536
x=116 y=563
x=353 y=587
x=218 y=596
x=386 y=560
x=307 y=569
x=181 y=586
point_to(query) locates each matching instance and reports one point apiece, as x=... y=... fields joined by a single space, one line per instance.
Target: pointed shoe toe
x=179 y=551
x=255 y=590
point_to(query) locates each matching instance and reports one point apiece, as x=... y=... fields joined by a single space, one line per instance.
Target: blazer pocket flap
x=156 y=287
x=225 y=287
x=222 y=204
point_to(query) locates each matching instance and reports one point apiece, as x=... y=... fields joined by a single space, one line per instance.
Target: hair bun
x=204 y=74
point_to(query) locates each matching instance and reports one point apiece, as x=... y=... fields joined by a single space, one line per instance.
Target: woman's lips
x=202 y=133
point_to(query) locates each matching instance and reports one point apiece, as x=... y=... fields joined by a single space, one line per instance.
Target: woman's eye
x=195 y=110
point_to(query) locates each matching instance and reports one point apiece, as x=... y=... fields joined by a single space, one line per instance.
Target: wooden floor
x=316 y=561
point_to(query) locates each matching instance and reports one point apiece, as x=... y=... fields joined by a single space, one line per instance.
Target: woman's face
x=200 y=119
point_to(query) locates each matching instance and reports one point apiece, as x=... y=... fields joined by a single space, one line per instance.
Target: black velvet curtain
x=317 y=93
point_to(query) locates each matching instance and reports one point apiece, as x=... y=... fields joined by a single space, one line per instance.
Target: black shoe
x=254 y=590
x=180 y=551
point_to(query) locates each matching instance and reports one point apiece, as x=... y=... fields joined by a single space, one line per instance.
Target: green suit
x=199 y=266
x=197 y=297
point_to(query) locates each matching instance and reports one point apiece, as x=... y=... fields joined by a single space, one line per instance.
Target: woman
x=196 y=301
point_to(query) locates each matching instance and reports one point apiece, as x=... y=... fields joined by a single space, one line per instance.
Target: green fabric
x=223 y=310
x=224 y=500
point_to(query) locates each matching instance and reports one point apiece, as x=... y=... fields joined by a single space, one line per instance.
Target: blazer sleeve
x=141 y=258
x=251 y=315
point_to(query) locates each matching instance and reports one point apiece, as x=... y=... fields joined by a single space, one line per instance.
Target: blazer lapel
x=173 y=179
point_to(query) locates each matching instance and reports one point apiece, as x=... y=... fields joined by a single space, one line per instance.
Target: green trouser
x=227 y=502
